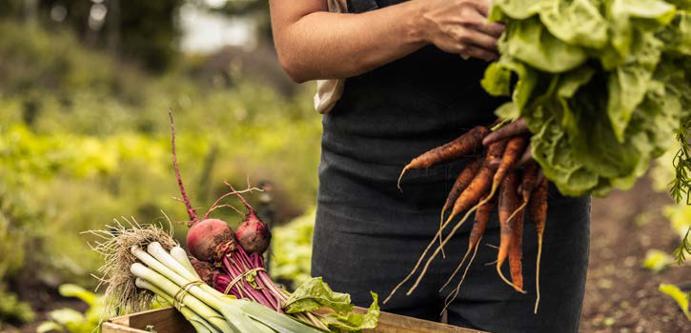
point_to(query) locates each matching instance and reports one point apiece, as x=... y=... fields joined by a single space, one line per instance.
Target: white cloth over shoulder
x=330 y=91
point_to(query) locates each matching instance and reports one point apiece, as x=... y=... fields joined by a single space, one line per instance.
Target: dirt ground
x=620 y=295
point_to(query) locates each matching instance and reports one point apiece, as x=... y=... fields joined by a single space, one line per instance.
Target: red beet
x=210 y=239
x=253 y=235
x=204 y=269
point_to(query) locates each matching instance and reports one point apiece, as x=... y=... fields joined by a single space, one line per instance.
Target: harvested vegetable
x=508 y=203
x=481 y=183
x=602 y=85
x=463 y=145
x=232 y=263
x=462 y=181
x=482 y=216
x=538 y=215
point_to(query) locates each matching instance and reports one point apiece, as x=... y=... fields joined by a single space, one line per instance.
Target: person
x=403 y=77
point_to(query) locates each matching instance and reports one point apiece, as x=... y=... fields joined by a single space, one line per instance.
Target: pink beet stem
x=185 y=199
x=242 y=199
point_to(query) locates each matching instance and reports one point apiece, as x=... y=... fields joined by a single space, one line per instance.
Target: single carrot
x=538 y=214
x=516 y=251
x=482 y=216
x=481 y=183
x=464 y=144
x=514 y=149
x=462 y=181
x=508 y=202
x=515 y=128
x=529 y=180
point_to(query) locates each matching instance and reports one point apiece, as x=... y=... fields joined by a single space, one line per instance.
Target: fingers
x=482 y=6
x=476 y=20
x=470 y=51
x=527 y=156
x=517 y=127
x=480 y=39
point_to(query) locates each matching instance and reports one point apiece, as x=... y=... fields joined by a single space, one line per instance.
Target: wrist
x=416 y=23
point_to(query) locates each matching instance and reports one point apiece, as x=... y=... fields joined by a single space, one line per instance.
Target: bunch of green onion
x=170 y=276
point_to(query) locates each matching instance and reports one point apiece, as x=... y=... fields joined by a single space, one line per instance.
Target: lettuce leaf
x=602 y=84
x=336 y=311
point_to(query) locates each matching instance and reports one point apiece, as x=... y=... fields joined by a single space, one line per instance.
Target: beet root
x=253 y=235
x=210 y=239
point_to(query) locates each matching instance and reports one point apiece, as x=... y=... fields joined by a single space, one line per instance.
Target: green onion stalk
x=206 y=309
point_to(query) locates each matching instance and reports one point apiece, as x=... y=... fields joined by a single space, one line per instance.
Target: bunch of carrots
x=502 y=176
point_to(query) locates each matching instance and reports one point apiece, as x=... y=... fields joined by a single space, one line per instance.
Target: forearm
x=323 y=45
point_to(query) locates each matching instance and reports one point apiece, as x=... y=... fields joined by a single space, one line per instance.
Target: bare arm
x=315 y=44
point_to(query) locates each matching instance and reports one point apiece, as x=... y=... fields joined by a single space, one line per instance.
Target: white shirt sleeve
x=330 y=91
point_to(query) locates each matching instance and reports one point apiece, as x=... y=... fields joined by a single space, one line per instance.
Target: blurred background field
x=85 y=87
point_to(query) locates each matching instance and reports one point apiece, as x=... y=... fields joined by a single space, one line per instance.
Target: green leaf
x=516 y=9
x=678 y=295
x=628 y=84
x=66 y=316
x=530 y=42
x=72 y=290
x=355 y=322
x=577 y=23
x=497 y=80
x=656 y=260
x=49 y=326
x=335 y=309
x=314 y=294
x=507 y=111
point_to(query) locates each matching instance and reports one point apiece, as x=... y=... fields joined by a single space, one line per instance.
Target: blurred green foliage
x=71 y=320
x=12 y=310
x=146 y=32
x=292 y=249
x=84 y=138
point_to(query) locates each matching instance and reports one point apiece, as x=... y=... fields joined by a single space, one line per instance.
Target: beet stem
x=185 y=199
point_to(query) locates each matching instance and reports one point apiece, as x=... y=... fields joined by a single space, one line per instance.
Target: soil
x=621 y=296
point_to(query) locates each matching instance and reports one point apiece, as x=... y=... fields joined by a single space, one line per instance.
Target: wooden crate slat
x=168 y=320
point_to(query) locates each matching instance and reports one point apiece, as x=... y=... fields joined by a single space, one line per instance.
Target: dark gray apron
x=369 y=235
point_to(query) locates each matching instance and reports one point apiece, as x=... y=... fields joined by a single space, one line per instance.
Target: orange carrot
x=482 y=216
x=538 y=214
x=508 y=202
x=480 y=184
x=475 y=190
x=530 y=175
x=515 y=128
x=462 y=181
x=516 y=251
x=514 y=150
x=464 y=144
x=529 y=181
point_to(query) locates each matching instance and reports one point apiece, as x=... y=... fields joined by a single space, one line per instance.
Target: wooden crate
x=170 y=321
